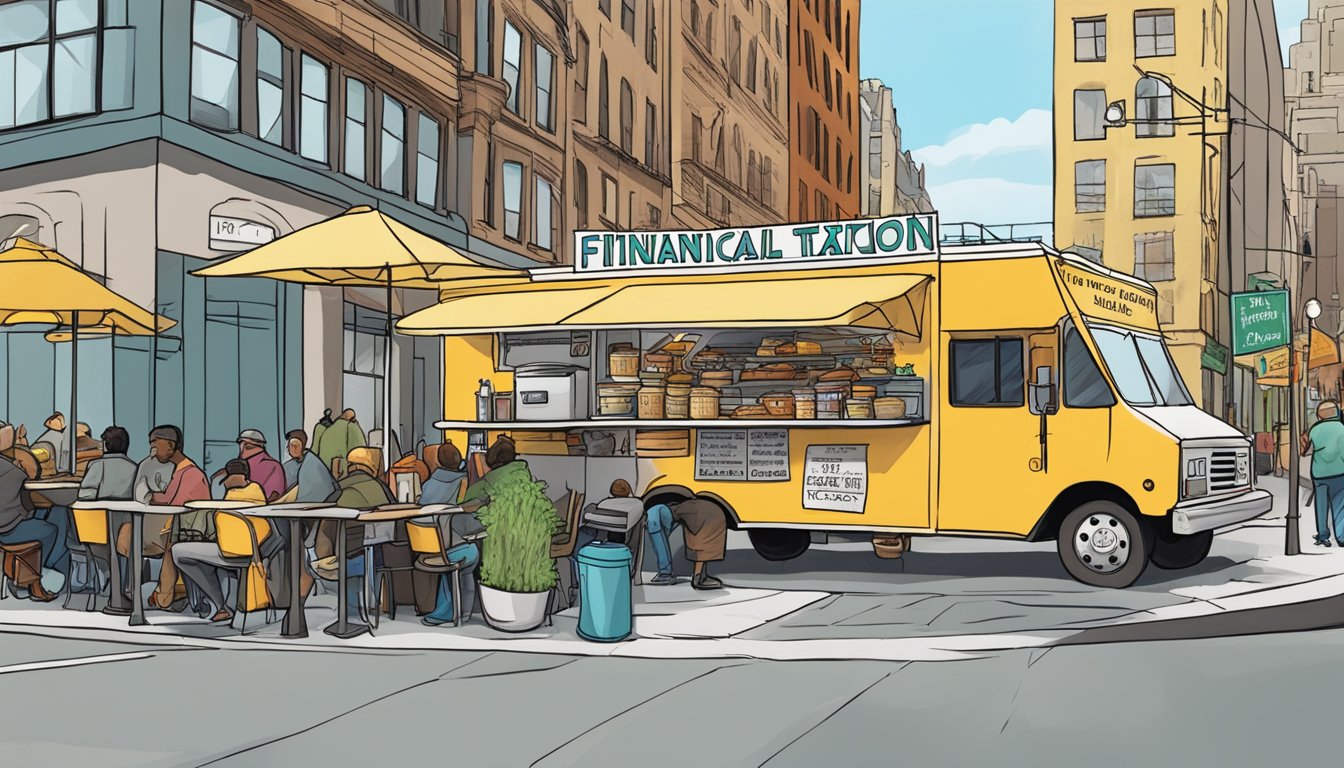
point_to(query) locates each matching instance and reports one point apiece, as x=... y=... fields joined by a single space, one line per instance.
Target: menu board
x=741 y=454
x=835 y=478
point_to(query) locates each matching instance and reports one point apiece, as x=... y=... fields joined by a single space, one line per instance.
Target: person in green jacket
x=336 y=439
x=502 y=459
x=360 y=489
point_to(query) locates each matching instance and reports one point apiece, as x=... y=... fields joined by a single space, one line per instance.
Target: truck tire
x=778 y=544
x=1102 y=544
x=1172 y=551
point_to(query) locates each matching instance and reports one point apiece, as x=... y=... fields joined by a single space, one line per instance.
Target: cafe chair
x=239 y=539
x=90 y=530
x=563 y=545
x=431 y=556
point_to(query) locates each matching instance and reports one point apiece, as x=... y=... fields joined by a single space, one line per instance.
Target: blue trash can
x=605 y=605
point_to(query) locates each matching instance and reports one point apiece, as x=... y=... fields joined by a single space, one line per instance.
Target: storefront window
x=365 y=345
x=393 y=149
x=313 y=109
x=356 y=128
x=427 y=161
x=214 y=67
x=270 y=88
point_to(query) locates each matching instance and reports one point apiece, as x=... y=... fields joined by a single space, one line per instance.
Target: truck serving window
x=1141 y=367
x=987 y=372
x=1084 y=386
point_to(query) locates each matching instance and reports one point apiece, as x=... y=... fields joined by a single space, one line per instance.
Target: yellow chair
x=90 y=529
x=239 y=539
x=432 y=557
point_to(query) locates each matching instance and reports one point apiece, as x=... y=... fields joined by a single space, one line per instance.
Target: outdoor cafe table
x=63 y=492
x=295 y=624
x=137 y=511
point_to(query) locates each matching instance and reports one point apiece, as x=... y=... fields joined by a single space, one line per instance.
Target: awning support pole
x=387 y=382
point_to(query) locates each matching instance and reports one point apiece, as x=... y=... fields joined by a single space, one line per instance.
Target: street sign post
x=1260 y=321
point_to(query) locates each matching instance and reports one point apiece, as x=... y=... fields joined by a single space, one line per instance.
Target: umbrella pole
x=387 y=382
x=72 y=427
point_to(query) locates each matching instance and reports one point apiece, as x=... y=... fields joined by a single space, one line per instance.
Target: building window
x=513 y=58
x=735 y=51
x=987 y=372
x=427 y=161
x=1155 y=33
x=605 y=7
x=488 y=206
x=1089 y=186
x=1155 y=190
x=875 y=157
x=695 y=19
x=736 y=166
x=1089 y=110
x=356 y=128
x=313 y=109
x=513 y=200
x=603 y=100
x=655 y=217
x=580 y=107
x=364 y=347
x=392 y=153
x=650 y=135
x=751 y=66
x=49 y=58
x=544 y=66
x=1311 y=82
x=697 y=131
x=581 y=194
x=1153 y=109
x=651 y=38
x=485 y=22
x=628 y=17
x=767 y=179
x=214 y=67
x=1089 y=39
x=270 y=88
x=541 y=214
x=1084 y=386
x=609 y=202
x=826 y=80
x=1154 y=257
x=627 y=117
x=753 y=179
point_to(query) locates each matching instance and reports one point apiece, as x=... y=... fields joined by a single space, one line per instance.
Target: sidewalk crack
x=833 y=713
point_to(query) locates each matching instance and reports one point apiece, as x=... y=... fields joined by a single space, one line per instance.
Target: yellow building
x=1185 y=187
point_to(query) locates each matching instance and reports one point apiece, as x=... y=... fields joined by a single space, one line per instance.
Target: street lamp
x=1292 y=545
x=1313 y=311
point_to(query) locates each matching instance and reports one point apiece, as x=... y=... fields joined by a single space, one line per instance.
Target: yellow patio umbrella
x=39 y=285
x=362 y=247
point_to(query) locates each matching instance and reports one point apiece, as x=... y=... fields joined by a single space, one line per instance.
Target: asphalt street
x=1268 y=699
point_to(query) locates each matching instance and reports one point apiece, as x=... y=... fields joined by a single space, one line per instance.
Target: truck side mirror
x=1042 y=390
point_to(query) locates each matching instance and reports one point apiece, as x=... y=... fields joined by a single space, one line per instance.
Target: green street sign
x=1214 y=357
x=1259 y=321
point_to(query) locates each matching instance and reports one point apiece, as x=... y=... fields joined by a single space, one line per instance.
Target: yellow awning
x=882 y=302
x=39 y=285
x=357 y=248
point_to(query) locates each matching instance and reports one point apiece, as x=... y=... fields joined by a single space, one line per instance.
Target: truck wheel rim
x=1102 y=543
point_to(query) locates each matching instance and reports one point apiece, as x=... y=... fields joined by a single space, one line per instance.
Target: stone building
x=823 y=86
x=893 y=183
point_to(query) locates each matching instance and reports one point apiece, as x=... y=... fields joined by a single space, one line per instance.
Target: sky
x=971 y=82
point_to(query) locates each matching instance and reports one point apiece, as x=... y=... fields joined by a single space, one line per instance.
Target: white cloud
x=1032 y=131
x=992 y=201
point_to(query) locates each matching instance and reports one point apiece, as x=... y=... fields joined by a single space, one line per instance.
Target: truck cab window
x=1084 y=386
x=987 y=372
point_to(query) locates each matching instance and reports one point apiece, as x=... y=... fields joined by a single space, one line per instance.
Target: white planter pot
x=513 y=611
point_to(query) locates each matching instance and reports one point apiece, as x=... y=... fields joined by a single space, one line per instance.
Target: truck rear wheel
x=1173 y=551
x=1104 y=545
x=778 y=544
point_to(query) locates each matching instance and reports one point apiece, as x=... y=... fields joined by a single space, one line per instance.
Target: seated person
x=86 y=448
x=361 y=488
x=17 y=522
x=706 y=531
x=444 y=487
x=201 y=561
x=18 y=450
x=111 y=476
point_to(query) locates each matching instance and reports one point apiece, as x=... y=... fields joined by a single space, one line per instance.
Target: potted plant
x=517 y=572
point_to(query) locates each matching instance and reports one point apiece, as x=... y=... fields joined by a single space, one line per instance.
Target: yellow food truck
x=852 y=376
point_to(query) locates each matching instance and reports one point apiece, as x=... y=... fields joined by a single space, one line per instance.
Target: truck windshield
x=1141 y=367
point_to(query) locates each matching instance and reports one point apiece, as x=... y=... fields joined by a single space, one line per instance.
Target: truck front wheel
x=779 y=543
x=1104 y=545
x=1173 y=551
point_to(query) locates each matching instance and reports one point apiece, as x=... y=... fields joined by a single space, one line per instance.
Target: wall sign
x=835 y=478
x=742 y=454
x=1260 y=321
x=230 y=234
x=913 y=235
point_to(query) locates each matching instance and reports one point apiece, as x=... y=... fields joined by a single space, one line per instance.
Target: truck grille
x=1223 y=471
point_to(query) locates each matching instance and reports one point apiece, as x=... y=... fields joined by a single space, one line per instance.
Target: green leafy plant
x=519 y=522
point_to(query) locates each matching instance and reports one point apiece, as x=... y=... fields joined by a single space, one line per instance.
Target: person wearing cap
x=187 y=483
x=201 y=561
x=265 y=470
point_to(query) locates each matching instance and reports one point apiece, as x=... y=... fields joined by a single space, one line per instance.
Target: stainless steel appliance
x=548 y=392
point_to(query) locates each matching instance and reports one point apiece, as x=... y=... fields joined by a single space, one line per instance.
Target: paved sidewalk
x=948 y=598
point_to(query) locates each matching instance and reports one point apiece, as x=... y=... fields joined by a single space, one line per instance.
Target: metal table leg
x=116 y=603
x=343 y=628
x=137 y=555
x=295 y=624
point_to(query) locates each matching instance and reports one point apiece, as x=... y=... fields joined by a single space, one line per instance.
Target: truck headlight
x=1196 y=480
x=1243 y=468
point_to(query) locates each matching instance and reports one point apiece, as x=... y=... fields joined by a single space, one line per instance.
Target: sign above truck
x=913 y=236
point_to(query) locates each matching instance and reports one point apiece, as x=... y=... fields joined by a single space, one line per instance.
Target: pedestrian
x=706 y=531
x=1325 y=443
